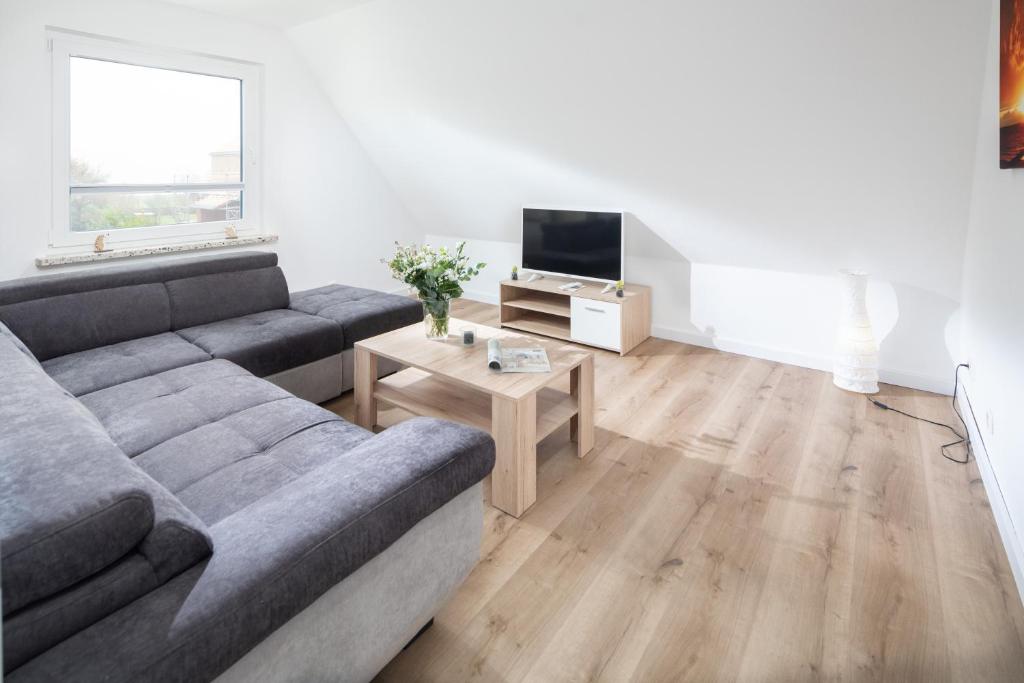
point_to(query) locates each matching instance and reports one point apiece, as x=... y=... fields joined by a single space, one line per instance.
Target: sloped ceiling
x=791 y=136
x=276 y=13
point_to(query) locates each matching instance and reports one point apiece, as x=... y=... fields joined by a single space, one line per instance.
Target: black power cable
x=961 y=438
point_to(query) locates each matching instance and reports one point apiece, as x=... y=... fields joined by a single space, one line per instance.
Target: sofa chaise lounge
x=169 y=515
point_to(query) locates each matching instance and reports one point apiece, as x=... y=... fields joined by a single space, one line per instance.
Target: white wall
x=764 y=144
x=993 y=298
x=714 y=296
x=334 y=211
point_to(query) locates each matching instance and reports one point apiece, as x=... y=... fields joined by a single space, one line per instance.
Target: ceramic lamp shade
x=856 y=358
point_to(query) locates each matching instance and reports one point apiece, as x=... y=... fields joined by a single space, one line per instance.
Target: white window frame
x=63 y=46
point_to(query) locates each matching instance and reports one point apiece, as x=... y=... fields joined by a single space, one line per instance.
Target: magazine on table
x=503 y=359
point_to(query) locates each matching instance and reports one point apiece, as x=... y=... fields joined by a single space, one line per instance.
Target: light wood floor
x=738 y=520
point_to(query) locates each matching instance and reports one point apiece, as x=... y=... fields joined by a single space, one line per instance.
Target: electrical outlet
x=990 y=424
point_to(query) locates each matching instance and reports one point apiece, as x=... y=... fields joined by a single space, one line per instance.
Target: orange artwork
x=1011 y=84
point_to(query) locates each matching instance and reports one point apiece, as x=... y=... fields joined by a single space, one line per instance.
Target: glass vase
x=435 y=318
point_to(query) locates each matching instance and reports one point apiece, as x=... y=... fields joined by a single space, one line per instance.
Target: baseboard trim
x=911 y=380
x=996 y=501
x=743 y=348
x=937 y=385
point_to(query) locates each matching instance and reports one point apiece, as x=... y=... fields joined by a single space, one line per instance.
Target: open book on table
x=507 y=359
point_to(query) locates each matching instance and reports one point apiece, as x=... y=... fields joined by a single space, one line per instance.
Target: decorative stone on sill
x=51 y=260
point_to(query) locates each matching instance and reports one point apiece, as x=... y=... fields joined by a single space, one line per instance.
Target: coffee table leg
x=365 y=377
x=581 y=426
x=514 y=428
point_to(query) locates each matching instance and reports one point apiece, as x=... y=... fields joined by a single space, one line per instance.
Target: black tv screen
x=584 y=244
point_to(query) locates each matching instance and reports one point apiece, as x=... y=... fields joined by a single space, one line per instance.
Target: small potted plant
x=515 y=272
x=620 y=289
x=436 y=274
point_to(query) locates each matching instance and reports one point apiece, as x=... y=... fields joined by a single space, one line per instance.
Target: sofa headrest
x=55 y=315
x=59 y=325
x=220 y=296
x=43 y=286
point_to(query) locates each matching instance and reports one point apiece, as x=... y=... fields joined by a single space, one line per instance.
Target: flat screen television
x=583 y=244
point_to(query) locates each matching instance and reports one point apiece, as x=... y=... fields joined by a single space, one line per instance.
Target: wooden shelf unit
x=586 y=316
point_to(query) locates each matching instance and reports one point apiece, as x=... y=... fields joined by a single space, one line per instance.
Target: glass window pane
x=116 y=210
x=138 y=124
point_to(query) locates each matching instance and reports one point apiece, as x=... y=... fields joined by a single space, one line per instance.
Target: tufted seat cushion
x=95 y=369
x=268 y=342
x=218 y=437
x=361 y=313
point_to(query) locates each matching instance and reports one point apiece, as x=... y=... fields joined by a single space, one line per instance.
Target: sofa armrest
x=359 y=503
x=274 y=558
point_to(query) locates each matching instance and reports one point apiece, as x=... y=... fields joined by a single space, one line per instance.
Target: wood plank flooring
x=738 y=519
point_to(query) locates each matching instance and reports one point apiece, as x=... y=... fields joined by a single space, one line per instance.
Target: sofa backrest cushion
x=168 y=550
x=178 y=540
x=55 y=315
x=73 y=502
x=44 y=286
x=38 y=627
x=210 y=298
x=18 y=344
x=58 y=325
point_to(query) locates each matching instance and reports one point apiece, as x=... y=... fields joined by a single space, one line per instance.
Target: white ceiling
x=277 y=13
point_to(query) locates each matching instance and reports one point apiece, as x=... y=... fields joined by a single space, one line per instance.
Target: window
x=151 y=145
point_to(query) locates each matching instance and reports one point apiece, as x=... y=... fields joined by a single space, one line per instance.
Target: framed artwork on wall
x=1011 y=84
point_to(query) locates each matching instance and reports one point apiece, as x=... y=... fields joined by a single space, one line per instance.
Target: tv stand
x=585 y=316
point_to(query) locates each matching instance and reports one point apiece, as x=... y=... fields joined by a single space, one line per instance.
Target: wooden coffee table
x=448 y=380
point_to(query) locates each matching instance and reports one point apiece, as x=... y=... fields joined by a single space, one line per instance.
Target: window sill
x=52 y=260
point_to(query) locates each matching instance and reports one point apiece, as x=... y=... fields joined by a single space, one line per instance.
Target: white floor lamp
x=856 y=362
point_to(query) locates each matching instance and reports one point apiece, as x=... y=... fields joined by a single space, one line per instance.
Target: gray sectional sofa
x=169 y=515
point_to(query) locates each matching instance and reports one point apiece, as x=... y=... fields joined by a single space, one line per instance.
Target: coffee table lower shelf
x=421 y=393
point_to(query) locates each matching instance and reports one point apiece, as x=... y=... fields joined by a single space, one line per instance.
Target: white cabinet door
x=595 y=322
